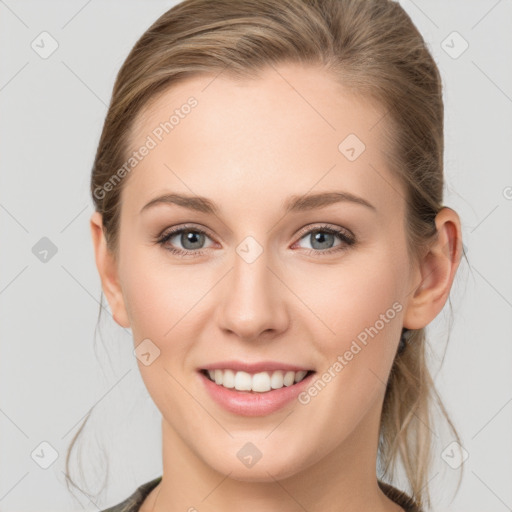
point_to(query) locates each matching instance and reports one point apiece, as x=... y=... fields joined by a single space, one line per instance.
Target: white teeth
x=289 y=377
x=258 y=382
x=276 y=381
x=261 y=382
x=228 y=378
x=300 y=375
x=243 y=381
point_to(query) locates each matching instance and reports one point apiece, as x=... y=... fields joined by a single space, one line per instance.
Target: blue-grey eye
x=191 y=239
x=321 y=239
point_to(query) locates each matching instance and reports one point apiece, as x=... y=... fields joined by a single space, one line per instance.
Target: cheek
x=363 y=312
x=368 y=299
x=364 y=315
x=159 y=297
x=167 y=304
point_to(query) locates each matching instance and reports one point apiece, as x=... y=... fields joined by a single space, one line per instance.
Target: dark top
x=133 y=503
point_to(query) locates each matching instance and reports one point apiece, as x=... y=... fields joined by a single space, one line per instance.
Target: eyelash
x=164 y=238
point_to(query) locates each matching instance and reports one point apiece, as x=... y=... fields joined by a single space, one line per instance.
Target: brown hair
x=371 y=47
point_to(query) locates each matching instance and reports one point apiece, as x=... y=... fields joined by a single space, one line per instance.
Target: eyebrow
x=293 y=204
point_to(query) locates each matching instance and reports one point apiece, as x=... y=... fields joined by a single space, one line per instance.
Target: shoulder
x=399 y=497
x=134 y=501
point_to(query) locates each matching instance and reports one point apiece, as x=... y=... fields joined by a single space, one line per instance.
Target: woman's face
x=270 y=281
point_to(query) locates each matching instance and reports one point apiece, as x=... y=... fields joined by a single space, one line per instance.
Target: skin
x=248 y=146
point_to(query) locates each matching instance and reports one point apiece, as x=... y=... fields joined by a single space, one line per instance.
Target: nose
x=254 y=304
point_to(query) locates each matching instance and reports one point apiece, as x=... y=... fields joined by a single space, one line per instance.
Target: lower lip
x=249 y=403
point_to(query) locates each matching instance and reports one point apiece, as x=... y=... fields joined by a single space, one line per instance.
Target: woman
x=269 y=223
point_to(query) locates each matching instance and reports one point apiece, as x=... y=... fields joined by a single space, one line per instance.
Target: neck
x=343 y=480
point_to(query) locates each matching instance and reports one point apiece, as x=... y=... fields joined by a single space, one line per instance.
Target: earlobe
x=107 y=269
x=437 y=268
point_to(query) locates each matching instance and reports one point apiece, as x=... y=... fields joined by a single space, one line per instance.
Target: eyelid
x=181 y=227
x=324 y=226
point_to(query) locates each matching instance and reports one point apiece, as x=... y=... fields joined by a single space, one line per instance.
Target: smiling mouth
x=260 y=382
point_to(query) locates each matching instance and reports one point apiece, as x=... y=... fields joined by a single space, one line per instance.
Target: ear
x=436 y=272
x=107 y=268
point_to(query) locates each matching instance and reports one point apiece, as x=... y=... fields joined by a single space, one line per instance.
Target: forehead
x=288 y=131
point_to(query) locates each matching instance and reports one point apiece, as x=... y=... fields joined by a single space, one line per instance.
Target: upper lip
x=260 y=366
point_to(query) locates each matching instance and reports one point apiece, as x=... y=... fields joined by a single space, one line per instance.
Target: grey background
x=51 y=370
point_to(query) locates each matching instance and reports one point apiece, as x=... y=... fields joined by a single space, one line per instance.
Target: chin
x=260 y=472
x=268 y=468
